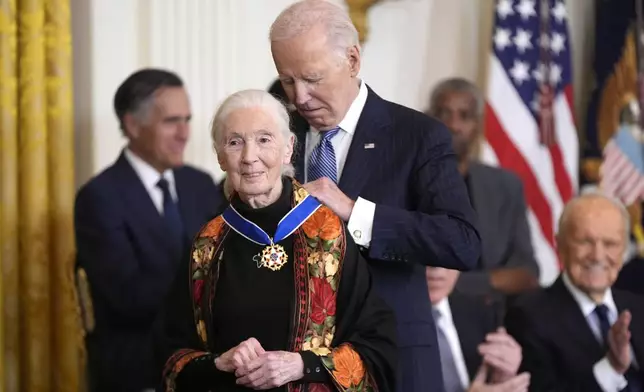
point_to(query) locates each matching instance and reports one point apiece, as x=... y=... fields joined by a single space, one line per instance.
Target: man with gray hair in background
x=508 y=265
x=581 y=334
x=388 y=171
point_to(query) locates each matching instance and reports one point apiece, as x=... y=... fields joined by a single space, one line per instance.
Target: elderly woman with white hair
x=276 y=295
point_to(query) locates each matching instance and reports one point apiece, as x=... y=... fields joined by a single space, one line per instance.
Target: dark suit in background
x=508 y=265
x=498 y=199
x=559 y=347
x=130 y=260
x=473 y=318
x=423 y=217
x=631 y=277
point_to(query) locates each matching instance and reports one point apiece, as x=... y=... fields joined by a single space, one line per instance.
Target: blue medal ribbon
x=286 y=226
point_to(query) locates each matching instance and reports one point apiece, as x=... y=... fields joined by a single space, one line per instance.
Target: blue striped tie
x=322 y=161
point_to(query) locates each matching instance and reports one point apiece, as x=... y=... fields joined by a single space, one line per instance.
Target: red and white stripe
x=548 y=173
x=620 y=178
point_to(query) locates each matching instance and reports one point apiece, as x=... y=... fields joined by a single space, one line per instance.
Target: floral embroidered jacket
x=338 y=316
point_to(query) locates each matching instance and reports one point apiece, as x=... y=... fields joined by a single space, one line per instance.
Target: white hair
x=457 y=85
x=253 y=99
x=589 y=194
x=302 y=16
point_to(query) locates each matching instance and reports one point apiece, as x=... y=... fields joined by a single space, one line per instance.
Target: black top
x=253 y=302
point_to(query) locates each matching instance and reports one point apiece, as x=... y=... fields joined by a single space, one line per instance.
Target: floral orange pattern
x=324 y=224
x=349 y=370
x=212 y=228
x=203 y=255
x=324 y=240
x=176 y=363
x=325 y=248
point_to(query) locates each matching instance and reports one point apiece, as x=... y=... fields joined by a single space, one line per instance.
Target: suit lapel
x=369 y=132
x=572 y=320
x=140 y=203
x=478 y=194
x=478 y=190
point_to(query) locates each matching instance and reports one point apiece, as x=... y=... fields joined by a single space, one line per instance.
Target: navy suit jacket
x=423 y=217
x=130 y=260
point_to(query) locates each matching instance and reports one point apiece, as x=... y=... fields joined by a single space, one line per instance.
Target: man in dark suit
x=134 y=222
x=477 y=354
x=508 y=265
x=580 y=334
x=386 y=170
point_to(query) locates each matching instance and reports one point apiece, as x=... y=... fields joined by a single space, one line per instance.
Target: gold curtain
x=40 y=338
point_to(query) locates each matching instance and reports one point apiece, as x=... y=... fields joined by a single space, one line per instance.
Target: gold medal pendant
x=273 y=257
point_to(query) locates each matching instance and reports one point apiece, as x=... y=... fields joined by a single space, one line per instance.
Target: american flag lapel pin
x=369 y=146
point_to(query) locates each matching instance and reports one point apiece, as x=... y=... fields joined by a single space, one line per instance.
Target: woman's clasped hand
x=259 y=369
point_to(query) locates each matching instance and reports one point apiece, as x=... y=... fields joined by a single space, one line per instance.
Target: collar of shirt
x=350 y=120
x=446 y=324
x=149 y=176
x=586 y=304
x=445 y=311
x=342 y=141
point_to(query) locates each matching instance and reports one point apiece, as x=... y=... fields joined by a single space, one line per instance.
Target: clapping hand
x=502 y=353
x=619 y=338
x=519 y=383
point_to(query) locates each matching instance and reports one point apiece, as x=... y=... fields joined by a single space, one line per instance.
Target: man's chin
x=175 y=162
x=316 y=120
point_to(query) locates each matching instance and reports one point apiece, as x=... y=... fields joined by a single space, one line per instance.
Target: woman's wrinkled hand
x=271 y=370
x=244 y=353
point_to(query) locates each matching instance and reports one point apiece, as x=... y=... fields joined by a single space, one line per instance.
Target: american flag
x=529 y=124
x=622 y=171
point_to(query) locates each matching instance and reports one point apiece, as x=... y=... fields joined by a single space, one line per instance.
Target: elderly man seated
x=580 y=334
x=472 y=344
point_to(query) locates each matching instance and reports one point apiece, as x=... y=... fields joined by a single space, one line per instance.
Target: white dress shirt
x=149 y=176
x=446 y=324
x=360 y=223
x=607 y=378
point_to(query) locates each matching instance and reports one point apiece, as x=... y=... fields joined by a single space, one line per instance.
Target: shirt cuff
x=607 y=378
x=314 y=371
x=361 y=221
